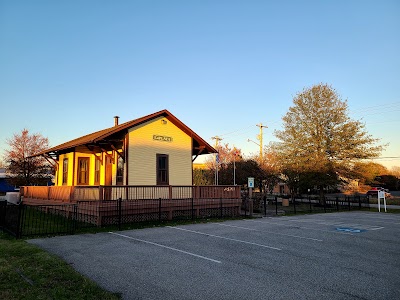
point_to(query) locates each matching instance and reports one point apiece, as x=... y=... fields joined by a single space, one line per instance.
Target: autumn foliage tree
x=271 y=168
x=368 y=171
x=319 y=137
x=232 y=168
x=22 y=168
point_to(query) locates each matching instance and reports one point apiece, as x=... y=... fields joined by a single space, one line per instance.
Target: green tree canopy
x=319 y=137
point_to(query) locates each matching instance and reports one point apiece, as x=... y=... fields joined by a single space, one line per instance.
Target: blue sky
x=221 y=67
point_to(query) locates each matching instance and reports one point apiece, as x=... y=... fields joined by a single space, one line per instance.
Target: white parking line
x=376 y=228
x=317 y=222
x=342 y=224
x=375 y=217
x=270 y=232
x=166 y=247
x=309 y=228
x=225 y=238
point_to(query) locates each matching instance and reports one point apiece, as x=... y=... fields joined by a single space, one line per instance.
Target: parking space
x=349 y=255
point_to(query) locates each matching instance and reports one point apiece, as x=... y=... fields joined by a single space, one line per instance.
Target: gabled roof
x=200 y=146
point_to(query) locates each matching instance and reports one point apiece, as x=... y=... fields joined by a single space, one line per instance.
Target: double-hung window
x=97 y=171
x=162 y=169
x=83 y=170
x=65 y=171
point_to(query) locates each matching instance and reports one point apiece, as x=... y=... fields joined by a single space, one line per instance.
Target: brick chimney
x=116 y=120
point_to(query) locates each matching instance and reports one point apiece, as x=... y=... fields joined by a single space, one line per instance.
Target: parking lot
x=347 y=255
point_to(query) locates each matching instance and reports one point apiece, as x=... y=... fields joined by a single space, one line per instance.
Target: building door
x=108 y=179
x=108 y=172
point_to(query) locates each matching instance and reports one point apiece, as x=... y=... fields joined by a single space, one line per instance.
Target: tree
x=271 y=168
x=368 y=171
x=395 y=170
x=319 y=137
x=244 y=168
x=23 y=169
x=226 y=157
x=389 y=182
x=203 y=177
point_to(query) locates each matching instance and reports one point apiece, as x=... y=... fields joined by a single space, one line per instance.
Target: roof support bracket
x=201 y=149
x=53 y=162
x=97 y=157
x=120 y=154
x=110 y=156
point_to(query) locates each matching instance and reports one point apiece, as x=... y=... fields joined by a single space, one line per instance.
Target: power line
x=376 y=107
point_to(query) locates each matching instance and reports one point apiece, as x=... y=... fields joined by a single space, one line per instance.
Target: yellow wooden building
x=157 y=149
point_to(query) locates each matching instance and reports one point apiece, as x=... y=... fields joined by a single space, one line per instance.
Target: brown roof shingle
x=97 y=136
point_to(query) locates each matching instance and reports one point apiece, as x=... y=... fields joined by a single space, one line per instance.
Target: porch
x=104 y=205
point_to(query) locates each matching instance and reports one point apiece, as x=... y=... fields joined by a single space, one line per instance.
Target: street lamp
x=249 y=140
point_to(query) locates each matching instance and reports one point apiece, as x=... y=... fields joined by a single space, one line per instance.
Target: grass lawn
x=27 y=272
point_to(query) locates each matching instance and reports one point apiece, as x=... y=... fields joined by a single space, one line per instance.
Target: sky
x=221 y=67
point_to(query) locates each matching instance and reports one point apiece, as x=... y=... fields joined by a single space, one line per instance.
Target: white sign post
x=381 y=195
x=250 y=185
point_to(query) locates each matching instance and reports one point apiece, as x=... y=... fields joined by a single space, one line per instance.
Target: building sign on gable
x=162 y=138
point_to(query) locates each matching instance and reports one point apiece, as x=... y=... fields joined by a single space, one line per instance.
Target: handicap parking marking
x=300 y=227
x=270 y=232
x=340 y=224
x=352 y=230
x=166 y=247
x=363 y=227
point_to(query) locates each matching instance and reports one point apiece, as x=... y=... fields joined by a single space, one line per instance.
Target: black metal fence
x=275 y=205
x=35 y=220
x=38 y=220
x=10 y=216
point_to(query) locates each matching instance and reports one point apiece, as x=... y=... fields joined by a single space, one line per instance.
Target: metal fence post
x=74 y=218
x=324 y=200
x=192 y=208
x=294 y=204
x=245 y=206
x=220 y=207
x=276 y=205
x=251 y=207
x=119 y=212
x=265 y=205
x=18 y=233
x=348 y=201
x=309 y=200
x=159 y=209
x=337 y=203
x=359 y=202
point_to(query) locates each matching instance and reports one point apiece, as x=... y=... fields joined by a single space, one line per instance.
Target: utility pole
x=260 y=138
x=217 y=140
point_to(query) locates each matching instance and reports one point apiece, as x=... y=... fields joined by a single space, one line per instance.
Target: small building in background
x=5 y=186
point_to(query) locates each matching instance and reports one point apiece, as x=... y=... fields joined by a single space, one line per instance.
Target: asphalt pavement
x=347 y=255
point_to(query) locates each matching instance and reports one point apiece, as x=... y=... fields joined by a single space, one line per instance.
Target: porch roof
x=199 y=146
